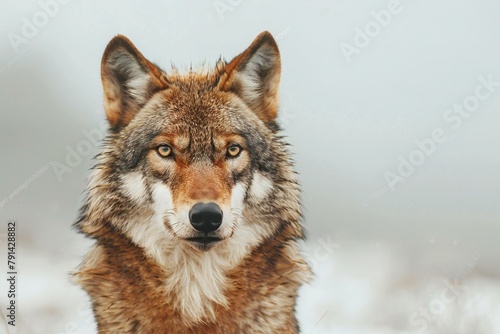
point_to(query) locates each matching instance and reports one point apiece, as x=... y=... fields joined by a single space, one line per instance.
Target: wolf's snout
x=205 y=217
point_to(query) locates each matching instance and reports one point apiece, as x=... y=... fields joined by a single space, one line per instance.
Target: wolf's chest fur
x=131 y=293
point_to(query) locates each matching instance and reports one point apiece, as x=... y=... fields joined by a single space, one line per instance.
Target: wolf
x=193 y=202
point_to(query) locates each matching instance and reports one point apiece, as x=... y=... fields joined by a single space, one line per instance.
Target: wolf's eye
x=164 y=150
x=233 y=151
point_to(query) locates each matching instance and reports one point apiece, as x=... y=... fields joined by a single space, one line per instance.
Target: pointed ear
x=128 y=79
x=254 y=76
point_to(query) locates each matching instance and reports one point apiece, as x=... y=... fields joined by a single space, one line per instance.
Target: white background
x=380 y=254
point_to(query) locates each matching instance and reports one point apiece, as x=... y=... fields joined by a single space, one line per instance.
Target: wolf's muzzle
x=205 y=217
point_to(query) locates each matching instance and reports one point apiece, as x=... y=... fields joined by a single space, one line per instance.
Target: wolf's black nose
x=205 y=217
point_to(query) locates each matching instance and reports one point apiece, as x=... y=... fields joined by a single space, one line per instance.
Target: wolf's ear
x=128 y=79
x=254 y=76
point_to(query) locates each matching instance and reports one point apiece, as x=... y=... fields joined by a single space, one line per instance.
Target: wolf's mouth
x=203 y=242
x=204 y=239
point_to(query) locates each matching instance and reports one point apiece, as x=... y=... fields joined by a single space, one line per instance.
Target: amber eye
x=164 y=150
x=233 y=151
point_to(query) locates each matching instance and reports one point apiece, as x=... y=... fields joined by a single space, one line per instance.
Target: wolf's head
x=193 y=161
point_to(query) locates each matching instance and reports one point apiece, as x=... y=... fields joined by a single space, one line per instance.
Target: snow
x=369 y=289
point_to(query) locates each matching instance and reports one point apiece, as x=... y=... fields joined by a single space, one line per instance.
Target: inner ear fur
x=129 y=80
x=254 y=75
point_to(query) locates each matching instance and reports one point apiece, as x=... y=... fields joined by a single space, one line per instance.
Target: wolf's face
x=192 y=160
x=196 y=162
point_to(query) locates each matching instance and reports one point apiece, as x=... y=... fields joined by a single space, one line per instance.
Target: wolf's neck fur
x=197 y=280
x=188 y=289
